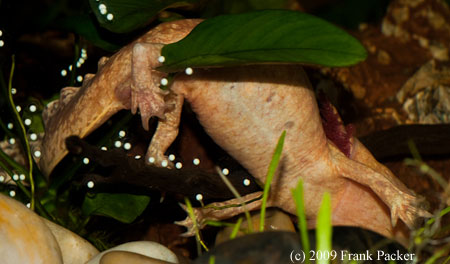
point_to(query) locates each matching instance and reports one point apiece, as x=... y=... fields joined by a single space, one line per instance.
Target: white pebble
x=32 y=108
x=151 y=160
x=10 y=125
x=63 y=72
x=37 y=154
x=90 y=184
x=225 y=171
x=13 y=90
x=33 y=136
x=70 y=67
x=15 y=177
x=122 y=133
x=164 y=163
x=2 y=43
x=161 y=59
x=78 y=64
x=29 y=205
x=196 y=161
x=117 y=144
x=86 y=161
x=12 y=193
x=137 y=157
x=81 y=60
x=83 y=51
x=1 y=33
x=127 y=146
x=79 y=78
x=199 y=197
x=2 y=178
x=18 y=108
x=164 y=82
x=110 y=16
x=178 y=165
x=27 y=122
x=246 y=182
x=12 y=141
x=171 y=157
x=189 y=71
x=104 y=148
x=22 y=177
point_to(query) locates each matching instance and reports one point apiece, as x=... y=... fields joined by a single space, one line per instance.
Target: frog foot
x=145 y=81
x=406 y=207
x=192 y=227
x=150 y=102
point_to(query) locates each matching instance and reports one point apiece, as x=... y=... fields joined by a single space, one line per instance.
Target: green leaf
x=84 y=26
x=120 y=206
x=276 y=36
x=297 y=193
x=324 y=229
x=128 y=15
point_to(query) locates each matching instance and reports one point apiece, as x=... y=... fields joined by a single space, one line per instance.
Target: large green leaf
x=84 y=26
x=120 y=206
x=277 y=36
x=128 y=15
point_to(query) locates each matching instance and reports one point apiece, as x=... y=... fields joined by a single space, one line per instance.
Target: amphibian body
x=244 y=109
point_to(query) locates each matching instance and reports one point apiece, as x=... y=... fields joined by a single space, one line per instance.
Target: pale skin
x=244 y=110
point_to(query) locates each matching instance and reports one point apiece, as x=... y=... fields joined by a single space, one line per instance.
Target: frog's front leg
x=145 y=92
x=167 y=130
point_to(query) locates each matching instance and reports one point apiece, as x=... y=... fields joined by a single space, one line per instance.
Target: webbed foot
x=146 y=95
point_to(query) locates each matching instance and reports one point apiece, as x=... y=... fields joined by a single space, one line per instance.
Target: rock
x=146 y=248
x=119 y=257
x=276 y=220
x=266 y=247
x=74 y=249
x=24 y=237
x=425 y=21
x=426 y=95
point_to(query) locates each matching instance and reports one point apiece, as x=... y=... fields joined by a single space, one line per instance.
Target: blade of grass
x=236 y=228
x=270 y=173
x=197 y=231
x=323 y=230
x=297 y=193
x=22 y=134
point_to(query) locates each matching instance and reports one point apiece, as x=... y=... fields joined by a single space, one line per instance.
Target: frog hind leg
x=361 y=167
